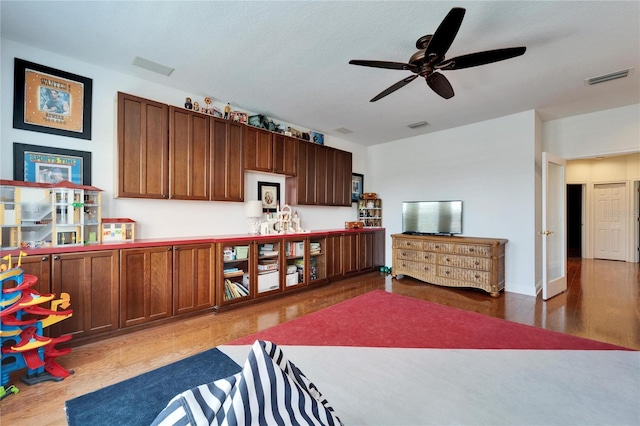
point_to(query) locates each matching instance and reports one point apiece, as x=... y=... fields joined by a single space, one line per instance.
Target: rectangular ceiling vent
x=152 y=66
x=343 y=130
x=418 y=124
x=608 y=77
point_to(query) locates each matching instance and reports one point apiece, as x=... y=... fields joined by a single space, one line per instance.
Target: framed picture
x=48 y=100
x=33 y=163
x=357 y=185
x=269 y=194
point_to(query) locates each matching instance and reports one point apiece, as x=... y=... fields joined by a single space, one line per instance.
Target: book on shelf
x=236 y=273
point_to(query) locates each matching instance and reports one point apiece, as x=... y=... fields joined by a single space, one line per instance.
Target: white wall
x=612 y=131
x=490 y=166
x=156 y=218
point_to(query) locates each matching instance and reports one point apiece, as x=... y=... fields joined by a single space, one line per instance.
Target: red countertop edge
x=155 y=242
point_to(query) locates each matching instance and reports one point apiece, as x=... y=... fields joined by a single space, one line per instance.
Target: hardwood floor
x=602 y=302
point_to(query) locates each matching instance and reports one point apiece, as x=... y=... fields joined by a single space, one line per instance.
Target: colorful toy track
x=22 y=322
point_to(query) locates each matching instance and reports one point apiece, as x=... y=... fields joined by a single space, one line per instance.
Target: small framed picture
x=357 y=185
x=269 y=194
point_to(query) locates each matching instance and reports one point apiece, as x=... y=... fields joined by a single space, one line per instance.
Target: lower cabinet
x=333 y=256
x=145 y=284
x=91 y=279
x=193 y=278
x=40 y=266
x=350 y=246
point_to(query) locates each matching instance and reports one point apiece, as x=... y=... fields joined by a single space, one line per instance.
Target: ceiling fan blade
x=395 y=87
x=384 y=64
x=440 y=85
x=446 y=32
x=480 y=58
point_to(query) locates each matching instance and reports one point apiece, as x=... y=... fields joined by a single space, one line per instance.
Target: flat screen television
x=432 y=217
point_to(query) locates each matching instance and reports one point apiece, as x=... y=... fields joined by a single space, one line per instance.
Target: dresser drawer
x=438 y=247
x=473 y=249
x=468 y=275
x=469 y=262
x=405 y=254
x=415 y=269
x=407 y=244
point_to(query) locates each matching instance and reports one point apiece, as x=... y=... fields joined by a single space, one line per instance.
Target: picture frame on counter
x=357 y=185
x=269 y=194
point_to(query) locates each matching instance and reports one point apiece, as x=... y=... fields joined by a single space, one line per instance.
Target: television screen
x=432 y=217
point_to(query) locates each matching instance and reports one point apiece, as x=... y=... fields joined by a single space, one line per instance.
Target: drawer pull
x=477 y=263
x=437 y=246
x=476 y=276
x=470 y=249
x=447 y=272
x=447 y=259
x=426 y=268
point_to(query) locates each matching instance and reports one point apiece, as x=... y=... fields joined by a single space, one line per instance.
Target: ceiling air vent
x=152 y=66
x=418 y=124
x=343 y=130
x=607 y=77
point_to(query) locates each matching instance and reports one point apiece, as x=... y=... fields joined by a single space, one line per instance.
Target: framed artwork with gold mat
x=48 y=100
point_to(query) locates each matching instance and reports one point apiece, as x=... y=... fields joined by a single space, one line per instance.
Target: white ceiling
x=289 y=60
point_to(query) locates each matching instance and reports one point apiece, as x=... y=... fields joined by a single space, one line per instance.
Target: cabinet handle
x=447 y=259
x=171 y=248
x=426 y=268
x=56 y=257
x=447 y=272
x=45 y=258
x=476 y=276
x=477 y=263
x=470 y=249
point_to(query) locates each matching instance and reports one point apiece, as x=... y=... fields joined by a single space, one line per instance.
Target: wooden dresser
x=451 y=261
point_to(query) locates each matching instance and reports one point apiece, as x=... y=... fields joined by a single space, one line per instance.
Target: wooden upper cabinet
x=258 y=149
x=342 y=183
x=188 y=154
x=143 y=148
x=284 y=154
x=321 y=177
x=227 y=168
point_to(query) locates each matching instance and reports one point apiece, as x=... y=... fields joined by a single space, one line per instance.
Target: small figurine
x=227 y=110
x=188 y=104
x=208 y=109
x=196 y=106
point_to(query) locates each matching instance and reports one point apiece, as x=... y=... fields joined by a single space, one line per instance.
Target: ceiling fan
x=430 y=59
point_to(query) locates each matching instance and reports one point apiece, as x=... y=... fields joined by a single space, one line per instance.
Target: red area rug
x=381 y=319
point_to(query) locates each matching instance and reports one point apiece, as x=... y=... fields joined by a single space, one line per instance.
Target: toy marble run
x=22 y=321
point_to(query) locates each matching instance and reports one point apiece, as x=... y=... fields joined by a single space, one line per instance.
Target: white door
x=611 y=222
x=554 y=238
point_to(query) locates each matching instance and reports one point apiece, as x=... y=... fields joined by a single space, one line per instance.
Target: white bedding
x=388 y=386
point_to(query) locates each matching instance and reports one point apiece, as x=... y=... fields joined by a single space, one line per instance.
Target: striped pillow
x=269 y=390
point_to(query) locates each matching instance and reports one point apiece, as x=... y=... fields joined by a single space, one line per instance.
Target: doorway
x=611 y=235
x=574 y=219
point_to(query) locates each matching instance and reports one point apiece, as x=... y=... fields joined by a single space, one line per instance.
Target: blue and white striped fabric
x=270 y=390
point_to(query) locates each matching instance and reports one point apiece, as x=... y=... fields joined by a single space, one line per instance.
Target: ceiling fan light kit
x=430 y=59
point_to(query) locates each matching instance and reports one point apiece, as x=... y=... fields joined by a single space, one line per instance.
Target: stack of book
x=234 y=289
x=267 y=250
x=314 y=248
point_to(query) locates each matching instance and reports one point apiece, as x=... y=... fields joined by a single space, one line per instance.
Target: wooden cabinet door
x=188 y=154
x=330 y=177
x=321 y=176
x=193 y=278
x=349 y=253
x=342 y=182
x=365 y=251
x=334 y=256
x=91 y=280
x=145 y=285
x=258 y=149
x=143 y=148
x=378 y=248
x=310 y=172
x=227 y=167
x=39 y=266
x=284 y=154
